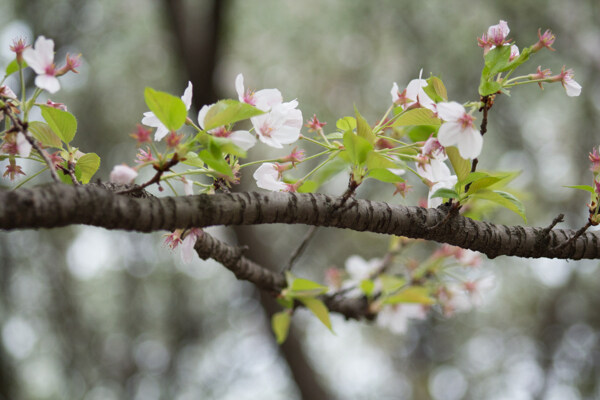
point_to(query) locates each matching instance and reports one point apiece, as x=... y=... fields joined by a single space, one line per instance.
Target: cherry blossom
x=496 y=36
x=514 y=52
x=545 y=40
x=41 y=59
x=187 y=246
x=413 y=94
x=122 y=174
x=268 y=177
x=23 y=145
x=438 y=173
x=263 y=99
x=466 y=295
x=358 y=270
x=242 y=139
x=395 y=317
x=152 y=120
x=280 y=126
x=566 y=78
x=7 y=92
x=458 y=130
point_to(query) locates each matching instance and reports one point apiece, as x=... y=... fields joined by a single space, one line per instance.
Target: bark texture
x=60 y=205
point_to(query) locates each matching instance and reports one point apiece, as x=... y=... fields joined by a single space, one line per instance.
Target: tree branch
x=60 y=205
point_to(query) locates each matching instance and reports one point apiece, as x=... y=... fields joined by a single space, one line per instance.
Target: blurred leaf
x=65 y=177
x=391 y=283
x=377 y=160
x=170 y=110
x=317 y=307
x=13 y=67
x=367 y=286
x=420 y=133
x=488 y=88
x=42 y=132
x=413 y=294
x=63 y=123
x=587 y=188
x=88 y=164
x=299 y=287
x=229 y=111
x=280 y=322
x=322 y=175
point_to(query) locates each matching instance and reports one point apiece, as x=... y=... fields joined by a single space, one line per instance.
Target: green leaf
x=193 y=160
x=88 y=164
x=377 y=160
x=13 y=67
x=587 y=188
x=317 y=307
x=497 y=60
x=63 y=123
x=356 y=147
x=420 y=133
x=504 y=199
x=367 y=286
x=439 y=87
x=384 y=175
x=363 y=129
x=227 y=112
x=299 y=287
x=280 y=322
x=445 y=193
x=285 y=302
x=417 y=116
x=170 y=110
x=227 y=147
x=42 y=132
x=483 y=183
x=308 y=186
x=487 y=88
x=346 y=124
x=217 y=163
x=323 y=174
x=391 y=283
x=462 y=167
x=413 y=294
x=472 y=177
x=335 y=135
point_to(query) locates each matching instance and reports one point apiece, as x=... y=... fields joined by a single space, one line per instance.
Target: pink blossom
x=41 y=60
x=59 y=106
x=439 y=176
x=566 y=78
x=280 y=126
x=122 y=174
x=12 y=170
x=242 y=139
x=595 y=160
x=188 y=187
x=263 y=99
x=314 y=124
x=540 y=74
x=187 y=246
x=458 y=130
x=413 y=95
x=514 y=52
x=23 y=145
x=5 y=91
x=268 y=177
x=152 y=120
x=545 y=40
x=173 y=239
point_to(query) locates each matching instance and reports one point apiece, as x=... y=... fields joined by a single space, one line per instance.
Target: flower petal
x=243 y=139
x=187 y=96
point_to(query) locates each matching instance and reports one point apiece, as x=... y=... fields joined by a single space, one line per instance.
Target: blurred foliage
x=92 y=314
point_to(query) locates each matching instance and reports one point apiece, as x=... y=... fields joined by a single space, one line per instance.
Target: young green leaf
x=417 y=116
x=13 y=67
x=413 y=294
x=317 y=307
x=363 y=129
x=483 y=183
x=488 y=88
x=367 y=286
x=462 y=167
x=280 y=323
x=346 y=124
x=217 y=163
x=356 y=147
x=63 y=123
x=587 y=188
x=299 y=287
x=504 y=199
x=42 y=132
x=497 y=60
x=227 y=112
x=391 y=283
x=88 y=164
x=445 y=193
x=384 y=175
x=169 y=109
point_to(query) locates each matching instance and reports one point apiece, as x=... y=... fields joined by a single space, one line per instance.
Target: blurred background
x=90 y=314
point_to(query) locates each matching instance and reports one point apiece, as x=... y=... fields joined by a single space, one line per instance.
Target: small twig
x=156 y=178
x=300 y=249
x=487 y=101
x=559 y=218
x=573 y=238
x=352 y=186
x=71 y=171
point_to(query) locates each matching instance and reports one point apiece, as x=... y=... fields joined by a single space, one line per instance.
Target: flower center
x=466 y=121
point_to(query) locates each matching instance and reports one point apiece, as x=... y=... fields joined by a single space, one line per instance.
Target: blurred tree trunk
x=197 y=46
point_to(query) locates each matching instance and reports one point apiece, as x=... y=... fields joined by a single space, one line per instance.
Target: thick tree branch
x=60 y=205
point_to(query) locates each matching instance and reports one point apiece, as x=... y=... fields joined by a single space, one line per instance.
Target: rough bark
x=60 y=205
